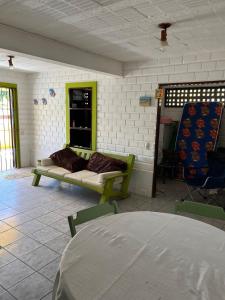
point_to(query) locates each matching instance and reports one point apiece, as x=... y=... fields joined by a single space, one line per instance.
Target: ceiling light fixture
x=163 y=37
x=11 y=66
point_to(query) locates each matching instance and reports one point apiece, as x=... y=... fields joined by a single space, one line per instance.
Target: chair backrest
x=91 y=213
x=201 y=209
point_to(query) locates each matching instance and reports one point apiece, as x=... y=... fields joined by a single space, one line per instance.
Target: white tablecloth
x=143 y=256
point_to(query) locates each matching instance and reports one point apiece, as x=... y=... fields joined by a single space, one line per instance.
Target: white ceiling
x=125 y=30
x=27 y=63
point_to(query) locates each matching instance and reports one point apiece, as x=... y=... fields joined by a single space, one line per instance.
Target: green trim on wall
x=89 y=84
x=16 y=127
x=13 y=86
x=8 y=85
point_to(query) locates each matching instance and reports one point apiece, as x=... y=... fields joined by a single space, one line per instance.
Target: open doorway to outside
x=9 y=128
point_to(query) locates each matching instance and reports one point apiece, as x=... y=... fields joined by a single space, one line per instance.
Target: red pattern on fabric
x=182 y=155
x=200 y=123
x=192 y=110
x=213 y=133
x=195 y=146
x=186 y=132
x=197 y=135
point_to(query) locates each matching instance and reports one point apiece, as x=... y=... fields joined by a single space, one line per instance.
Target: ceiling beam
x=36 y=45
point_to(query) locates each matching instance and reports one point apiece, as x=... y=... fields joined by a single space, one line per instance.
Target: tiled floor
x=34 y=229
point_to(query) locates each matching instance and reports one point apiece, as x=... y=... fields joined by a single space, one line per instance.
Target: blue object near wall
x=145 y=100
x=197 y=135
x=52 y=92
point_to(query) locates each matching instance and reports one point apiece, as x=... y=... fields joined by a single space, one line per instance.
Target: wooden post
x=159 y=96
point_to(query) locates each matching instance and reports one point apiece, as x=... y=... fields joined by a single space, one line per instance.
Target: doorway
x=170 y=108
x=9 y=128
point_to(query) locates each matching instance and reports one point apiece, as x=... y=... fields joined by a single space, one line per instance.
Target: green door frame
x=13 y=86
x=89 y=84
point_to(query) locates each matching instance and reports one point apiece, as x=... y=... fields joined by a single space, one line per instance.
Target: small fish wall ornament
x=44 y=101
x=52 y=92
x=35 y=101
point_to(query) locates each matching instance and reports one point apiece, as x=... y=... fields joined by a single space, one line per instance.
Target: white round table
x=143 y=256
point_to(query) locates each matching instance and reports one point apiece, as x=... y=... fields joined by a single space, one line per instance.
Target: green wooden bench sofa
x=103 y=183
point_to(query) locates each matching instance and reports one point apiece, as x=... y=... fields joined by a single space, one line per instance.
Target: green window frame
x=87 y=84
x=13 y=87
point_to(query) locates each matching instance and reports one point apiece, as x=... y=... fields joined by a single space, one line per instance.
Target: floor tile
x=51 y=269
x=10 y=236
x=4 y=226
x=14 y=272
x=22 y=246
x=2 y=290
x=126 y=208
x=131 y=202
x=37 y=212
x=51 y=204
x=152 y=205
x=30 y=226
x=32 y=288
x=58 y=244
x=39 y=258
x=49 y=218
x=3 y=206
x=46 y=234
x=47 y=297
x=62 y=225
x=70 y=209
x=8 y=212
x=5 y=257
x=17 y=220
x=6 y=296
x=40 y=213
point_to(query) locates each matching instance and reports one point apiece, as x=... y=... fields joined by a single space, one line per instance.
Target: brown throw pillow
x=67 y=159
x=100 y=163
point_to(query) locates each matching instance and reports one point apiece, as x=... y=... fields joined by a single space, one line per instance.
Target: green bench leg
x=103 y=199
x=36 y=179
x=107 y=191
x=124 y=188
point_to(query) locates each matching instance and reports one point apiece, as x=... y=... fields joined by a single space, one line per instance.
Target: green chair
x=201 y=209
x=91 y=213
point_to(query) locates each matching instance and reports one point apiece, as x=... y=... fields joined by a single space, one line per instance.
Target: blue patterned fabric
x=197 y=135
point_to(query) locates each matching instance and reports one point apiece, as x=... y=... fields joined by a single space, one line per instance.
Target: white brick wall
x=122 y=125
x=24 y=107
x=202 y=67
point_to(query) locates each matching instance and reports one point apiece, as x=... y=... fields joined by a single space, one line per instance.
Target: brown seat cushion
x=100 y=163
x=67 y=159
